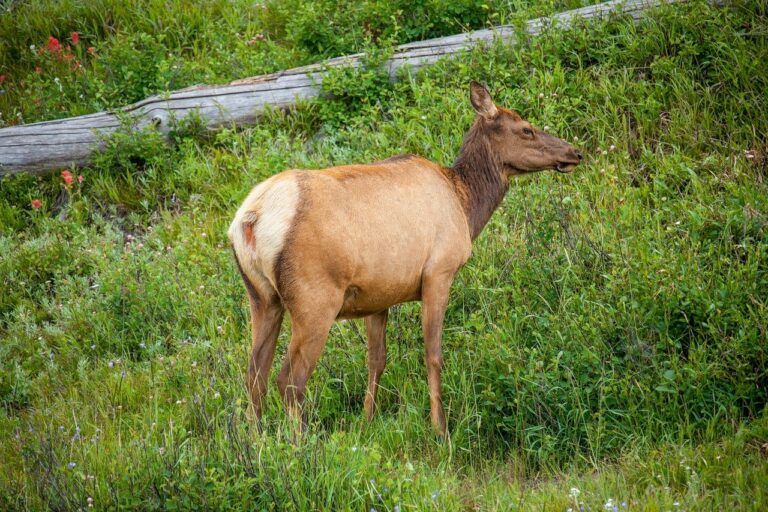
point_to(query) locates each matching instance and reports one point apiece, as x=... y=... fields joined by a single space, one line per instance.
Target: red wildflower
x=53 y=44
x=91 y=50
x=80 y=178
x=37 y=204
x=75 y=37
x=67 y=176
x=2 y=78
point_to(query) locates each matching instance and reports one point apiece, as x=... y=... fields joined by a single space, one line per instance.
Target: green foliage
x=330 y=28
x=354 y=93
x=128 y=50
x=608 y=334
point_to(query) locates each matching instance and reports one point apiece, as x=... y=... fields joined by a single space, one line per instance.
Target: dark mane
x=478 y=177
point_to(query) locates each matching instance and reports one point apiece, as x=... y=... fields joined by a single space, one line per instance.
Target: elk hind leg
x=266 y=318
x=311 y=321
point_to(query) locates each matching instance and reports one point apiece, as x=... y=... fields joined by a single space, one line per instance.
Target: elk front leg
x=375 y=326
x=434 y=297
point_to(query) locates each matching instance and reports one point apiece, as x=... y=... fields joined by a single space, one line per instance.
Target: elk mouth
x=566 y=167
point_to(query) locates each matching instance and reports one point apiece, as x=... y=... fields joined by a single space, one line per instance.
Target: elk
x=352 y=241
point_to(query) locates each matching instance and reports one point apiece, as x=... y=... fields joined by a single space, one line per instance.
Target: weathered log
x=46 y=146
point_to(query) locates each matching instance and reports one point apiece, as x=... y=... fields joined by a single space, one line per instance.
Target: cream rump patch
x=261 y=225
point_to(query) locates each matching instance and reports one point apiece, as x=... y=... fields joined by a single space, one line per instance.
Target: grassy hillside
x=605 y=347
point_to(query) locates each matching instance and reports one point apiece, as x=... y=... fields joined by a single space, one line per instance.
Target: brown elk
x=351 y=241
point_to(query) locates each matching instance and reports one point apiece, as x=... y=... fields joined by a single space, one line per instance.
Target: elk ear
x=481 y=100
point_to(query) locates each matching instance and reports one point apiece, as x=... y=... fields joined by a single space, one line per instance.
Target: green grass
x=608 y=335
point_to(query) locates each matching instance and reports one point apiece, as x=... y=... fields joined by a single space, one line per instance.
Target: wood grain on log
x=46 y=146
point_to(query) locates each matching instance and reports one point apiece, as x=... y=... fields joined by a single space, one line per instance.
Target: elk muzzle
x=571 y=160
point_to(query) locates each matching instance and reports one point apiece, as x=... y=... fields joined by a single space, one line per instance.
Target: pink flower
x=2 y=78
x=37 y=204
x=75 y=37
x=67 y=176
x=80 y=178
x=91 y=50
x=53 y=44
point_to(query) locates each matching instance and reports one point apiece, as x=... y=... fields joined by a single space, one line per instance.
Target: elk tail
x=243 y=246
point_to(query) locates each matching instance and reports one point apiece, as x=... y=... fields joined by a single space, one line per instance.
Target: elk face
x=519 y=146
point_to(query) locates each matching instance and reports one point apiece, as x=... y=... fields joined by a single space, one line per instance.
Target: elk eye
x=528 y=132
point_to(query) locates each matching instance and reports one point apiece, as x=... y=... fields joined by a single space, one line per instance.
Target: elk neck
x=478 y=178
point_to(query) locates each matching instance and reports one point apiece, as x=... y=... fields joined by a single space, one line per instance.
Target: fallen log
x=43 y=147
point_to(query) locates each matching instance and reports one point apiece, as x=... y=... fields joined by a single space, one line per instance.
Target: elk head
x=517 y=145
